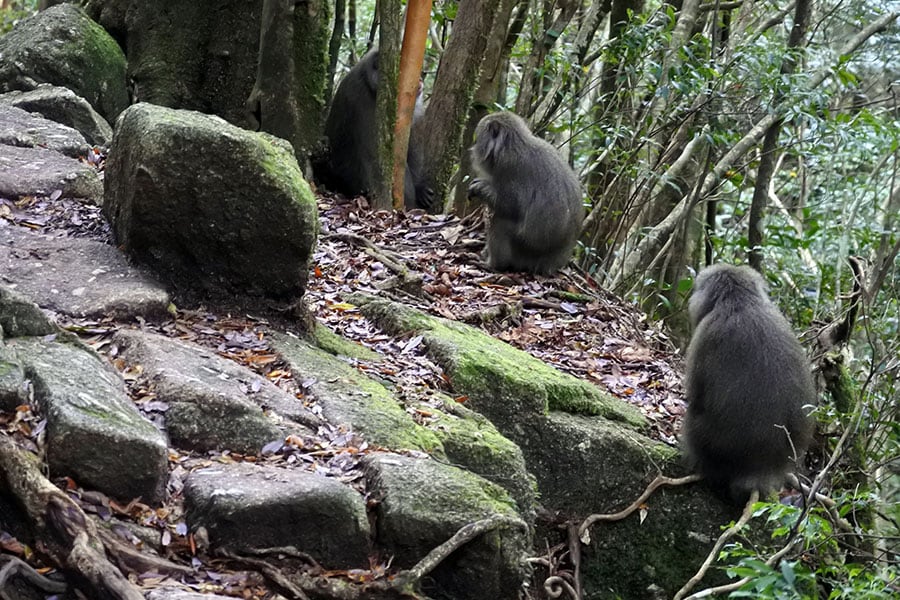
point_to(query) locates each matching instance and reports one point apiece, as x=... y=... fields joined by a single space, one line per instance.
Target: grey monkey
x=533 y=195
x=748 y=386
x=350 y=127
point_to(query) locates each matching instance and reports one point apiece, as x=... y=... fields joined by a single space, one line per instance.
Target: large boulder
x=63 y=46
x=210 y=206
x=94 y=434
x=63 y=106
x=184 y=54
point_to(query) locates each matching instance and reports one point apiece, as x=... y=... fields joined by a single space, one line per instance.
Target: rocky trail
x=179 y=423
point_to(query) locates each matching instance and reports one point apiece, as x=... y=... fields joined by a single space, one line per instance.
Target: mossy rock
x=63 y=46
x=502 y=382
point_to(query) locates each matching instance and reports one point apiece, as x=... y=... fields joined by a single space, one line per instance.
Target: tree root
x=68 y=539
x=16 y=567
x=132 y=560
x=401 y=586
x=660 y=481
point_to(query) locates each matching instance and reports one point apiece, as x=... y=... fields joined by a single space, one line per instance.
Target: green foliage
x=783 y=583
x=814 y=570
x=626 y=108
x=18 y=9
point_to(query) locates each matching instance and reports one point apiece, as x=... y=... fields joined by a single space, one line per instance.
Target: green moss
x=486 y=368
x=278 y=161
x=471 y=441
x=348 y=397
x=101 y=61
x=335 y=344
x=469 y=493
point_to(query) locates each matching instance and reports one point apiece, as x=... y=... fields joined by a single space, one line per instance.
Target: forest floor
x=430 y=262
x=565 y=320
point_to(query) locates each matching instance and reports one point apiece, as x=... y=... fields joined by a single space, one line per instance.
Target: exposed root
x=401 y=586
x=660 y=480
x=67 y=538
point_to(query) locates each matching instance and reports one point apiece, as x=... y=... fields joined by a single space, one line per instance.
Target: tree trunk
x=334 y=45
x=770 y=142
x=412 y=54
x=287 y=99
x=532 y=73
x=485 y=95
x=452 y=93
x=390 y=14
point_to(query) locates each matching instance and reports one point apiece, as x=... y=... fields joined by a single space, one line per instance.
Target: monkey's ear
x=495 y=129
x=495 y=143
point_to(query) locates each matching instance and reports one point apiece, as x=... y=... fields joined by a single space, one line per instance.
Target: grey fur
x=534 y=197
x=748 y=386
x=352 y=139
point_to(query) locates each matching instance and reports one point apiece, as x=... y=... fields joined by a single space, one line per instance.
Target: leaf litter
x=428 y=261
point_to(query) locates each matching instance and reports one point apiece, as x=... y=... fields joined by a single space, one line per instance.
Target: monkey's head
x=368 y=66
x=725 y=286
x=497 y=136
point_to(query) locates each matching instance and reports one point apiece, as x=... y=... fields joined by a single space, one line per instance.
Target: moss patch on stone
x=471 y=441
x=486 y=368
x=350 y=398
x=332 y=343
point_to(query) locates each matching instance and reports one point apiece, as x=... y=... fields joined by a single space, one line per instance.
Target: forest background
x=762 y=132
x=758 y=132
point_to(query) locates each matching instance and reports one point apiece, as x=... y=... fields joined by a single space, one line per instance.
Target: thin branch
x=629 y=263
x=717 y=547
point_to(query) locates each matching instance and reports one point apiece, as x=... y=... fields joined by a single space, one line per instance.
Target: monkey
x=350 y=127
x=534 y=197
x=748 y=387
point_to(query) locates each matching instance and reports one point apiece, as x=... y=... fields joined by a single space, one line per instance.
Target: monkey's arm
x=481 y=189
x=695 y=384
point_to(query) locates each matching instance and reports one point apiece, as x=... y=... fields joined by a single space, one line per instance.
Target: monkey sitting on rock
x=533 y=195
x=748 y=386
x=352 y=157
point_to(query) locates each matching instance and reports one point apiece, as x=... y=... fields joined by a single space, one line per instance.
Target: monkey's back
x=350 y=129
x=539 y=207
x=747 y=384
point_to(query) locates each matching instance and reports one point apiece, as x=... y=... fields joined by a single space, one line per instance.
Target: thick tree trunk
x=485 y=95
x=453 y=88
x=390 y=14
x=286 y=99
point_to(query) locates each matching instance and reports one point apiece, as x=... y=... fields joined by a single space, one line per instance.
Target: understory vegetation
x=758 y=132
